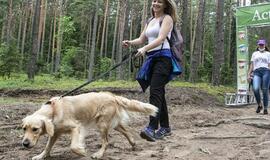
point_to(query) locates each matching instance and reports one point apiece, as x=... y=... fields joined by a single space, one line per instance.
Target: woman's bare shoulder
x=167 y=19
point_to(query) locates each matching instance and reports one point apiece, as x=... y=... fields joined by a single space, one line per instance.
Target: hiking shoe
x=163 y=132
x=259 y=108
x=148 y=133
x=265 y=111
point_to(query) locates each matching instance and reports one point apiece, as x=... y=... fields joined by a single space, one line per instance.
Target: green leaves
x=9 y=59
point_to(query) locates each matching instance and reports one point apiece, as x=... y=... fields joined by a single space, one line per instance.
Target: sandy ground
x=203 y=129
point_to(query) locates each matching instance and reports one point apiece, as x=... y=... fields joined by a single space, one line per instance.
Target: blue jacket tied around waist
x=143 y=76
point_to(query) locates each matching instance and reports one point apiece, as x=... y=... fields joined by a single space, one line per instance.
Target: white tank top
x=152 y=32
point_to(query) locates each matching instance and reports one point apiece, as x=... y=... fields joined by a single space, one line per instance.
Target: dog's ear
x=53 y=101
x=23 y=122
x=49 y=127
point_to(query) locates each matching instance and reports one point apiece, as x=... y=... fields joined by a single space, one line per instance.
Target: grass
x=17 y=101
x=213 y=90
x=48 y=82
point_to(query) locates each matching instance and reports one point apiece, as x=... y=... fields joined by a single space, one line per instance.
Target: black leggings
x=160 y=71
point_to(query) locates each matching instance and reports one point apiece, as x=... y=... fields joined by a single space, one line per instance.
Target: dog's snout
x=26 y=143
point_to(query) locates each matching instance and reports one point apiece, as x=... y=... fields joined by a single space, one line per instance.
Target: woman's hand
x=141 y=52
x=126 y=43
x=249 y=78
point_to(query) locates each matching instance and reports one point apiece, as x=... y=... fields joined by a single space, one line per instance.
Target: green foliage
x=77 y=37
x=68 y=24
x=227 y=75
x=69 y=30
x=73 y=63
x=9 y=59
x=103 y=65
x=205 y=70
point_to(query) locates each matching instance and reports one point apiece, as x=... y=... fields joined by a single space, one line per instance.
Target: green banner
x=253 y=15
x=242 y=60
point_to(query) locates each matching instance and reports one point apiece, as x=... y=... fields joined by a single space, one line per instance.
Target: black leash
x=124 y=59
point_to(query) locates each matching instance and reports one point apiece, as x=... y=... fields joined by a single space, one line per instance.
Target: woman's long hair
x=170 y=10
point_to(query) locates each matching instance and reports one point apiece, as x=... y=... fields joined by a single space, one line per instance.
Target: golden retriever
x=73 y=114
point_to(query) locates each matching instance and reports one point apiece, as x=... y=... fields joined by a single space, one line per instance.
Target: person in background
x=159 y=67
x=260 y=70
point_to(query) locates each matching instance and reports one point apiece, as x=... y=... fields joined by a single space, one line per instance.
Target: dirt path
x=203 y=129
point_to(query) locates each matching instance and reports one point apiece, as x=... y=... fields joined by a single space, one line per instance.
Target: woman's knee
x=256 y=89
x=265 y=90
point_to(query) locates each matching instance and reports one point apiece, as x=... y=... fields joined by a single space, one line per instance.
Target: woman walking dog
x=159 y=67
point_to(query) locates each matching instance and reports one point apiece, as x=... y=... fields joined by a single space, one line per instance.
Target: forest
x=83 y=38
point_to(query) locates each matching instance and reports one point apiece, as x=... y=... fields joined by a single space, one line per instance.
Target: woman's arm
x=249 y=77
x=166 y=27
x=137 y=41
x=251 y=68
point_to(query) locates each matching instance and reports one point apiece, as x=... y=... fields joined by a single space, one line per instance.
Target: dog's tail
x=137 y=106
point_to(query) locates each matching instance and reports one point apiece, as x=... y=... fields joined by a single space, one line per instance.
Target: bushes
x=9 y=60
x=102 y=66
x=74 y=62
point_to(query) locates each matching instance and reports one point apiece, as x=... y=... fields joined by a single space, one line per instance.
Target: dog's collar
x=53 y=107
x=49 y=102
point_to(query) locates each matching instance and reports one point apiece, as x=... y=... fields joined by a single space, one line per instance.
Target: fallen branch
x=10 y=127
x=264 y=143
x=224 y=121
x=251 y=118
x=258 y=125
x=9 y=145
x=228 y=137
x=227 y=121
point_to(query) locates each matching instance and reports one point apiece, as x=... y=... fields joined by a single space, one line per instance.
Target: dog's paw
x=79 y=151
x=97 y=155
x=39 y=157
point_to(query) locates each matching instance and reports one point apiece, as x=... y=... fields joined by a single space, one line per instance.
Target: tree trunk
x=130 y=37
x=3 y=32
x=53 y=39
x=93 y=46
x=26 y=20
x=195 y=57
x=104 y=29
x=9 y=21
x=115 y=35
x=59 y=36
x=98 y=32
x=40 y=26
x=121 y=29
x=21 y=12
x=106 y=38
x=228 y=33
x=184 y=30
x=144 y=15
x=87 y=60
x=50 y=41
x=44 y=9
x=218 y=57
x=31 y=19
x=35 y=44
